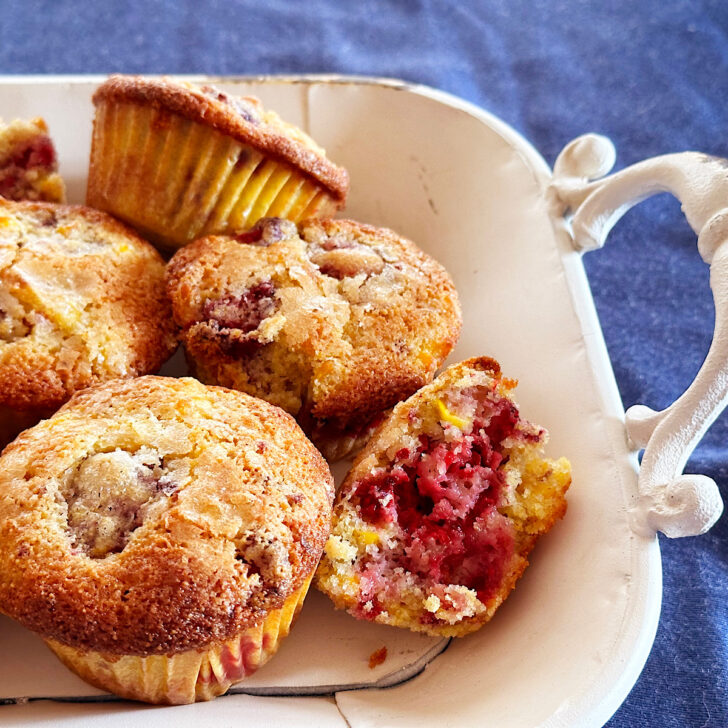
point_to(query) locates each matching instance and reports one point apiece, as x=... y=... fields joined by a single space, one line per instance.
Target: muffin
x=178 y=161
x=160 y=535
x=28 y=163
x=434 y=522
x=332 y=320
x=82 y=300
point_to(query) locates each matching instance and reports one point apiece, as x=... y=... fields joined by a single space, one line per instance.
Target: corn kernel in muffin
x=433 y=523
x=333 y=320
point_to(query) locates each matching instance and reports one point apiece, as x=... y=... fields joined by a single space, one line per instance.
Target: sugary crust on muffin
x=28 y=162
x=354 y=318
x=243 y=119
x=82 y=300
x=531 y=501
x=238 y=514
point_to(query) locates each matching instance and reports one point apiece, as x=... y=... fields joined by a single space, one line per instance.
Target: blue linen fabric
x=652 y=75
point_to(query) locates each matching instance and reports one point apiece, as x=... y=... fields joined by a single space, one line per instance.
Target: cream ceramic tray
x=568 y=645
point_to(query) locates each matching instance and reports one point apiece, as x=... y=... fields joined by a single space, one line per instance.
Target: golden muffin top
x=331 y=320
x=82 y=300
x=242 y=118
x=156 y=515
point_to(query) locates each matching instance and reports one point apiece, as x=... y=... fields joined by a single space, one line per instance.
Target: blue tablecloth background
x=652 y=75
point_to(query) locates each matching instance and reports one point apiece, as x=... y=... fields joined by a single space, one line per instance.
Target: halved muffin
x=82 y=300
x=333 y=320
x=177 y=161
x=434 y=522
x=160 y=535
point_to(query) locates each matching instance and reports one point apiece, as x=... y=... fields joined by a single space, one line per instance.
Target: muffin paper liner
x=175 y=180
x=190 y=676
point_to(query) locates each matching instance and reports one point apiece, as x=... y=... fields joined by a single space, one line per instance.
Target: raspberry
x=444 y=496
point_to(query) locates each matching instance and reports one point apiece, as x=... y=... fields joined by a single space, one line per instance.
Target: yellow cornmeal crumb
x=451 y=616
x=339 y=550
x=431 y=604
x=52 y=188
x=347 y=585
x=447 y=416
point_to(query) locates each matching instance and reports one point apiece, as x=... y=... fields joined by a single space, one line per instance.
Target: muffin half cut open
x=433 y=523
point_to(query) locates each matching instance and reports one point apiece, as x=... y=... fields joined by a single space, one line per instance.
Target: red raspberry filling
x=38 y=152
x=266 y=231
x=241 y=105
x=235 y=318
x=444 y=496
x=244 y=312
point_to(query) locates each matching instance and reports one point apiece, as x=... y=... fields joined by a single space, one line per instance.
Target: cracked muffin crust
x=82 y=301
x=333 y=320
x=28 y=163
x=433 y=523
x=178 y=161
x=160 y=518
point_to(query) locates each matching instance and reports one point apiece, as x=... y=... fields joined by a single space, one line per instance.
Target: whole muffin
x=178 y=161
x=160 y=535
x=333 y=320
x=28 y=162
x=82 y=301
x=434 y=521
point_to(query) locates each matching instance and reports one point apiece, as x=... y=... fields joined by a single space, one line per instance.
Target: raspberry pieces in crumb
x=434 y=521
x=244 y=312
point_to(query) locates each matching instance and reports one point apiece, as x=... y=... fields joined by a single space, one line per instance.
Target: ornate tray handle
x=676 y=504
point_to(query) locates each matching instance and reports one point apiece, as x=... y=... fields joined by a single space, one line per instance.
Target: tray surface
x=568 y=644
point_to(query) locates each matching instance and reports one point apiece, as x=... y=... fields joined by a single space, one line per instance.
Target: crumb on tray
x=377 y=657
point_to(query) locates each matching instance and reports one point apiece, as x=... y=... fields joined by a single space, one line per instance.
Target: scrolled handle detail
x=676 y=504
x=686 y=506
